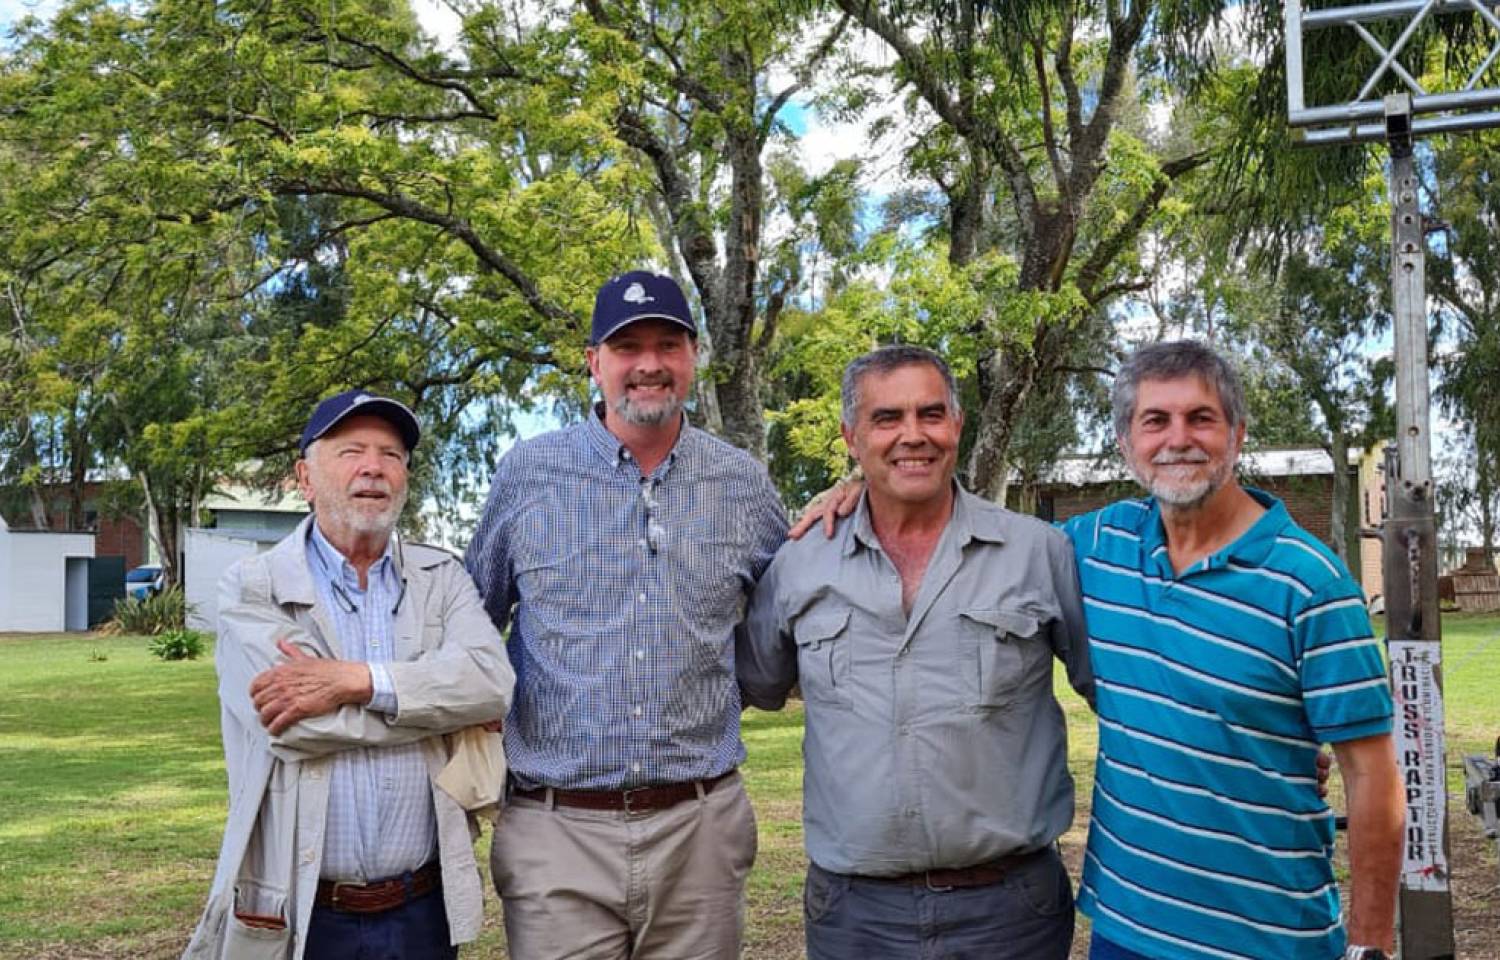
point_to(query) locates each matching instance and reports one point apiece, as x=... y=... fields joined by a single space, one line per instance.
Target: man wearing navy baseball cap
x=621 y=551
x=343 y=657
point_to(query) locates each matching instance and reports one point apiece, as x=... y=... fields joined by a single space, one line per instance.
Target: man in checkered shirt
x=621 y=552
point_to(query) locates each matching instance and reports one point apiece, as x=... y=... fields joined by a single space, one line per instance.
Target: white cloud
x=441 y=20
x=13 y=10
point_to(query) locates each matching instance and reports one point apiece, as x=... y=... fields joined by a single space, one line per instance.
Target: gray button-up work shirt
x=932 y=740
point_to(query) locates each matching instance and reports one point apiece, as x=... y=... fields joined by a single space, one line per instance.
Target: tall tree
x=1465 y=277
x=1023 y=134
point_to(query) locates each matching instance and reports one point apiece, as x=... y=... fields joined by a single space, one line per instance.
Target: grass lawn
x=113 y=798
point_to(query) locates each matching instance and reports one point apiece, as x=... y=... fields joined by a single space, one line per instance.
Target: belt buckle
x=939 y=888
x=625 y=796
x=333 y=895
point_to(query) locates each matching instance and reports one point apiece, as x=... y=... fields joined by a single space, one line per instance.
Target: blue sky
x=13 y=10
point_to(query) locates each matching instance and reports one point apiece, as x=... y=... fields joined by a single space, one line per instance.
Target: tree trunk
x=968 y=204
x=1484 y=489
x=732 y=309
x=39 y=518
x=78 y=469
x=1338 y=523
x=1005 y=381
x=162 y=531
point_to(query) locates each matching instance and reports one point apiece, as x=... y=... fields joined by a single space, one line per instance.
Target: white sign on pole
x=1419 y=753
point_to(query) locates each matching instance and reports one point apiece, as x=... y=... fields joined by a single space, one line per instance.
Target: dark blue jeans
x=1102 y=949
x=1027 y=916
x=416 y=930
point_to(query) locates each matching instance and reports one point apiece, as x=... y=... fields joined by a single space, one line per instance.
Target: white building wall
x=207 y=555
x=35 y=583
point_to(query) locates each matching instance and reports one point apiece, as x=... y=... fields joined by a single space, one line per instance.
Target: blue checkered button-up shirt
x=627 y=591
x=381 y=821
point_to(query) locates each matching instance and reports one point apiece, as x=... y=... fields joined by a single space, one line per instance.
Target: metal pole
x=1413 y=630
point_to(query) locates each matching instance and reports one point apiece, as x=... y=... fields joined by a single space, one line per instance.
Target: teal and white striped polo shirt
x=1215 y=688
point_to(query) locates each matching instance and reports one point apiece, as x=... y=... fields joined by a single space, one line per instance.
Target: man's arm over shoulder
x=767 y=521
x=1069 y=633
x=765 y=655
x=468 y=678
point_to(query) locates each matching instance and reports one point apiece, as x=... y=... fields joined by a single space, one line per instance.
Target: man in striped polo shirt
x=1227 y=645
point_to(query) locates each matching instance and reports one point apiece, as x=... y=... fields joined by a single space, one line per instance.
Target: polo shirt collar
x=1248 y=549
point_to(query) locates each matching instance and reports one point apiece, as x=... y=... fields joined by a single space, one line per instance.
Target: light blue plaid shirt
x=381 y=821
x=627 y=593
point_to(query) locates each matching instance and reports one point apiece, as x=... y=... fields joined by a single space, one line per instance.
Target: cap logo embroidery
x=361 y=398
x=635 y=293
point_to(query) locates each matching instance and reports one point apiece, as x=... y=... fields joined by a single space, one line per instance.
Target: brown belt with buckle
x=380 y=895
x=639 y=800
x=979 y=875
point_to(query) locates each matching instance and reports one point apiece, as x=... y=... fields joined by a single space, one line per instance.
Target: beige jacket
x=450 y=671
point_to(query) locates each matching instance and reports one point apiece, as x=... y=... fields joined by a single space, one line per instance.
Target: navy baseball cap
x=638 y=295
x=361 y=403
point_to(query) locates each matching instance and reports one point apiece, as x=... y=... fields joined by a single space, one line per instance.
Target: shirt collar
x=336 y=564
x=1250 y=548
x=964 y=524
x=609 y=447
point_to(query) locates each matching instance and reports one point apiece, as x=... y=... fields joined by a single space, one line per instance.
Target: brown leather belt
x=380 y=895
x=639 y=800
x=979 y=875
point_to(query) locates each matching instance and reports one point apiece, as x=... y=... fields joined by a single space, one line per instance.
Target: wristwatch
x=1364 y=953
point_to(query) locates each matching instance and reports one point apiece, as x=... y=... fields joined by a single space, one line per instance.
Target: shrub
x=178 y=645
x=152 y=615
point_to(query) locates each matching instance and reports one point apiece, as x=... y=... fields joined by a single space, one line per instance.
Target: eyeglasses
x=654 y=530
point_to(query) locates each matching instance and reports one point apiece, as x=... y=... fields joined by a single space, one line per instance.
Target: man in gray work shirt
x=922 y=636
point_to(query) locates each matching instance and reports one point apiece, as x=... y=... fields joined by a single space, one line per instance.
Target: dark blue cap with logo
x=638 y=295
x=361 y=403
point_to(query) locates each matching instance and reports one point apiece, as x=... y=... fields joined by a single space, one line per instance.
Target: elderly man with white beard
x=344 y=656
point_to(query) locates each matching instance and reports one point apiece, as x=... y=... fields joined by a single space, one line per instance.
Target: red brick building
x=115 y=535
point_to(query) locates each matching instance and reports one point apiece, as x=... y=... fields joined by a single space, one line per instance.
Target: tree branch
x=1105 y=252
x=1049 y=133
x=489 y=258
x=804 y=74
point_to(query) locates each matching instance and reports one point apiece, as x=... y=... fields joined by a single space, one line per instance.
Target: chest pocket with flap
x=822 y=637
x=1008 y=646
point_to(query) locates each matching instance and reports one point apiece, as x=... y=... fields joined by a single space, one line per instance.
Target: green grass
x=112 y=794
x=112 y=791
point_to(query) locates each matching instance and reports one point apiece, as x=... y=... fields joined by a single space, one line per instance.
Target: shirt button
x=315 y=774
x=637 y=710
x=911 y=812
x=309 y=855
x=642 y=598
x=906 y=730
x=635 y=768
x=640 y=654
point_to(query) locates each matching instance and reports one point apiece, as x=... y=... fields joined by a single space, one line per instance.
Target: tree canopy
x=216 y=214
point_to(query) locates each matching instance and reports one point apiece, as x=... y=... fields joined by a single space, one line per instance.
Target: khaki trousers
x=609 y=885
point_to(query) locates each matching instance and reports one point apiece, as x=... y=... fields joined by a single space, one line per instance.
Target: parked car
x=143 y=582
